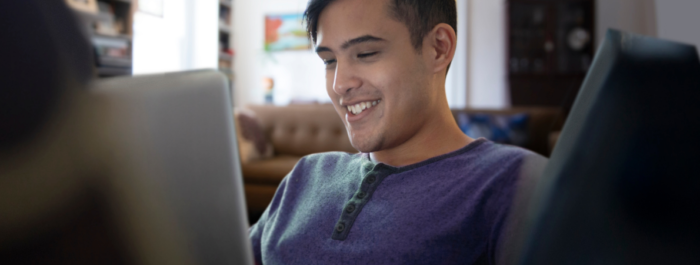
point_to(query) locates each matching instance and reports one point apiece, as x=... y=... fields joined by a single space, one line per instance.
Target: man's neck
x=440 y=136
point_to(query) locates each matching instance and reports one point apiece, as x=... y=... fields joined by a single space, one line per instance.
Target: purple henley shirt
x=340 y=208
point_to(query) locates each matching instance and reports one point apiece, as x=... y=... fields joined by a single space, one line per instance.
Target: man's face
x=376 y=79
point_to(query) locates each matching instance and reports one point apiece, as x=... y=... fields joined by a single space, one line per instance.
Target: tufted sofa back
x=300 y=130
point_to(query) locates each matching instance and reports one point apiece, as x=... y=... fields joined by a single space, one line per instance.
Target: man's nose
x=345 y=79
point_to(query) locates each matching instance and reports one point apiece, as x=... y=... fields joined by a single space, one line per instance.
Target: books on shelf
x=112 y=51
x=225 y=56
x=226 y=3
x=225 y=16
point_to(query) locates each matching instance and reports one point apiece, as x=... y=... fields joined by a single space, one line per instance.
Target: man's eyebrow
x=323 y=49
x=355 y=41
x=358 y=40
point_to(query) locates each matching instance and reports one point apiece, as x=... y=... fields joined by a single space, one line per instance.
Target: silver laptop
x=180 y=143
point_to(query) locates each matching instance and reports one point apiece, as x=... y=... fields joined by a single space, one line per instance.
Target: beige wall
x=679 y=20
x=636 y=16
x=676 y=20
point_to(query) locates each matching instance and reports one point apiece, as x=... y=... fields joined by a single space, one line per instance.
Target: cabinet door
x=531 y=38
x=550 y=48
x=574 y=37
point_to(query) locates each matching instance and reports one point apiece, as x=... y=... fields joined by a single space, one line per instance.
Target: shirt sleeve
x=255 y=234
x=499 y=216
x=267 y=219
x=256 y=231
x=510 y=230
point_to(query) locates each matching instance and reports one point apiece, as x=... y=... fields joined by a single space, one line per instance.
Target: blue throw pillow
x=506 y=129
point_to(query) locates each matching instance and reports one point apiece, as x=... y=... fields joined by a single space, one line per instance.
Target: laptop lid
x=180 y=139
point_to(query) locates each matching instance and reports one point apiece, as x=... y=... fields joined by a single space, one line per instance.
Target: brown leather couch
x=299 y=130
x=294 y=131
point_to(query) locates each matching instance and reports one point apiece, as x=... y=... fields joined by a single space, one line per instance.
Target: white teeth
x=359 y=107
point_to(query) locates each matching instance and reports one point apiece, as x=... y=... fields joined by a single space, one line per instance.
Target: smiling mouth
x=362 y=106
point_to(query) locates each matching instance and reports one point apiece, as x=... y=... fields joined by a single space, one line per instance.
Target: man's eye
x=327 y=62
x=365 y=55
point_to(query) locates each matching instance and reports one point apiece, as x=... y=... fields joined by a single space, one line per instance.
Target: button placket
x=350 y=208
x=340 y=227
x=371 y=179
x=354 y=206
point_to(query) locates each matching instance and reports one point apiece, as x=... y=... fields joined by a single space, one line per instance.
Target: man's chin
x=365 y=145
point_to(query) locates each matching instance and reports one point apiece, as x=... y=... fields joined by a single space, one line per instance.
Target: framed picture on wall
x=285 y=32
x=89 y=6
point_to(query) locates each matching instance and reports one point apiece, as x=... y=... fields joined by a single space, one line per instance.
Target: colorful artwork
x=285 y=32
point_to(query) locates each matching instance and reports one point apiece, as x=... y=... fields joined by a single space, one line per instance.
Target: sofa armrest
x=268 y=171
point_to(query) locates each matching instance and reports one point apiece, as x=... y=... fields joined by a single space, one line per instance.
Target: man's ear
x=441 y=43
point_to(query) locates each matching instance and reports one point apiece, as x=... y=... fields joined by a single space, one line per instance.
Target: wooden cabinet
x=550 y=48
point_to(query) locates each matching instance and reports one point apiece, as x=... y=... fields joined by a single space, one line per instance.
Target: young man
x=420 y=191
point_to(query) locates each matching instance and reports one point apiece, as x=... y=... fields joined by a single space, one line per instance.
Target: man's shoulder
x=330 y=157
x=490 y=162
x=490 y=153
x=334 y=155
x=510 y=165
x=328 y=161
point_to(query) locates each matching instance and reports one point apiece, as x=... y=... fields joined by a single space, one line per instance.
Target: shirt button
x=371 y=179
x=340 y=227
x=350 y=208
x=361 y=195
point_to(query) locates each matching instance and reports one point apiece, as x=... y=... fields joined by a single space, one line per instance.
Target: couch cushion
x=268 y=171
x=505 y=129
x=258 y=196
x=300 y=130
x=252 y=143
x=541 y=121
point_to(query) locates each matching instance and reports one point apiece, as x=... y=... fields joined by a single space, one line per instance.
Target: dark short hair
x=420 y=16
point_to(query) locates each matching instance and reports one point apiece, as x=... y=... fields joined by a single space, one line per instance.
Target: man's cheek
x=330 y=78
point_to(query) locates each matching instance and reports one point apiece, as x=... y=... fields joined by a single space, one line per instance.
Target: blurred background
x=510 y=52
x=518 y=67
x=66 y=185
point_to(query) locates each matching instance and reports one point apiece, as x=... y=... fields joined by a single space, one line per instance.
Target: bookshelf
x=226 y=52
x=550 y=48
x=109 y=25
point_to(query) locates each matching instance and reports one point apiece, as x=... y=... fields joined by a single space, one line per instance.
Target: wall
x=668 y=19
x=297 y=74
x=456 y=81
x=300 y=74
x=637 y=16
x=679 y=20
x=487 y=45
x=183 y=38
